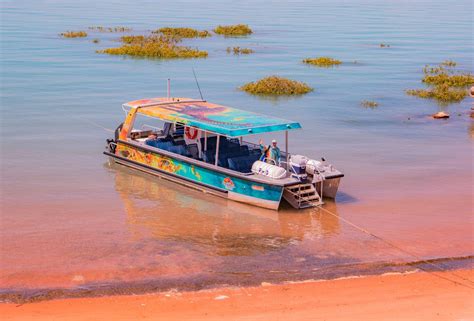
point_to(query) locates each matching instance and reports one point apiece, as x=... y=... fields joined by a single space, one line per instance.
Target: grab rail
x=152 y=127
x=265 y=159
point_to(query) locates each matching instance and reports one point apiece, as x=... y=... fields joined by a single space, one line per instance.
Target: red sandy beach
x=415 y=296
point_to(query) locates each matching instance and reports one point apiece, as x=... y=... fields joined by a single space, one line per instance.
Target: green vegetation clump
x=239 y=51
x=275 y=85
x=369 y=104
x=154 y=46
x=445 y=84
x=140 y=39
x=155 y=50
x=74 y=34
x=133 y=39
x=322 y=61
x=233 y=30
x=448 y=63
x=183 y=32
x=110 y=29
x=442 y=93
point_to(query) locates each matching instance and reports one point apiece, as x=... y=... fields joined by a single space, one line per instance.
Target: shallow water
x=69 y=220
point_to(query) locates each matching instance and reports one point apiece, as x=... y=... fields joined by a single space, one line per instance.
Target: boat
x=204 y=146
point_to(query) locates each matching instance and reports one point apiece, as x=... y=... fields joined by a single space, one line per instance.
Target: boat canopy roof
x=210 y=117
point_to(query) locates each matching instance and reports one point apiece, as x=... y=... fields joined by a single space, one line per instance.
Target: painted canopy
x=211 y=117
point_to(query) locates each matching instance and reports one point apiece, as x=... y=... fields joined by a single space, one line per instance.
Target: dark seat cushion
x=242 y=164
x=178 y=149
x=193 y=150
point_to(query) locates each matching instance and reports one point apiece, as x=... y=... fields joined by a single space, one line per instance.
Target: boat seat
x=178 y=149
x=209 y=156
x=244 y=150
x=159 y=144
x=242 y=164
x=211 y=143
x=255 y=151
x=193 y=150
x=167 y=129
x=179 y=142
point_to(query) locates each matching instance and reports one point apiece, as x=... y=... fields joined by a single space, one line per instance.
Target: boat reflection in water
x=158 y=209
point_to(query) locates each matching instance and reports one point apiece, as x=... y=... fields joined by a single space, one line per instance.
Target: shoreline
x=405 y=296
x=144 y=287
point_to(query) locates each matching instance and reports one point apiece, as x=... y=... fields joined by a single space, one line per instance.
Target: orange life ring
x=191 y=134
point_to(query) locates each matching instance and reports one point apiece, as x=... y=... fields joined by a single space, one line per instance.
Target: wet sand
x=414 y=296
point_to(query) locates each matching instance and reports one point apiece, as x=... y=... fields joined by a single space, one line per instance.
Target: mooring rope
x=96 y=124
x=419 y=259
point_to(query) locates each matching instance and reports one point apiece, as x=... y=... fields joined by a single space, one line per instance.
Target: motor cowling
x=314 y=166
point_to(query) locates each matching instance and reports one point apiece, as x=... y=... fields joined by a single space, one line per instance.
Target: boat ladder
x=302 y=195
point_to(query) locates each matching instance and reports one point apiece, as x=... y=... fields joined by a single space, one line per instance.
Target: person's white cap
x=274 y=141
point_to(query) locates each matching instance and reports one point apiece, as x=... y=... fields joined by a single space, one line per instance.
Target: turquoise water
x=69 y=220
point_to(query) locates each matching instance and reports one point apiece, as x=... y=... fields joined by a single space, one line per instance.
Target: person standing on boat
x=271 y=153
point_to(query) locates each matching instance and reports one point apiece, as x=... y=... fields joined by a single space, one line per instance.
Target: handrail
x=152 y=127
x=265 y=159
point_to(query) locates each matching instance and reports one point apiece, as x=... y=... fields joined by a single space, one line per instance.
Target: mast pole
x=286 y=149
x=169 y=88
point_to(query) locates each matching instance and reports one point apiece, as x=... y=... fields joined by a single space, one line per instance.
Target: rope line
x=96 y=124
x=408 y=253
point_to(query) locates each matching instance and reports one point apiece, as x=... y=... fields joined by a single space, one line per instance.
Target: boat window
x=145 y=126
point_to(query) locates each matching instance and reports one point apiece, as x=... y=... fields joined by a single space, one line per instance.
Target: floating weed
x=233 y=30
x=110 y=29
x=96 y=41
x=457 y=80
x=448 y=63
x=445 y=84
x=154 y=46
x=133 y=39
x=369 y=104
x=140 y=39
x=275 y=85
x=239 y=51
x=74 y=34
x=156 y=50
x=322 y=61
x=442 y=93
x=183 y=32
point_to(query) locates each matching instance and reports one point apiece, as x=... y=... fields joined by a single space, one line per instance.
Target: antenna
x=197 y=83
x=169 y=88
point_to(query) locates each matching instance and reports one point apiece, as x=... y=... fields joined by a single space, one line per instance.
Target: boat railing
x=126 y=109
x=146 y=126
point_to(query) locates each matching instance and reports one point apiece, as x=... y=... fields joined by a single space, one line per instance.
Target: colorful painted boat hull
x=191 y=174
